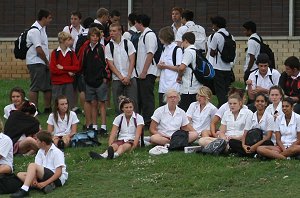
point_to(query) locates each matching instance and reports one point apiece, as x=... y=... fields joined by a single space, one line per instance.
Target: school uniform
x=168 y=123
x=183 y=29
x=220 y=112
x=264 y=81
x=201 y=119
x=127 y=34
x=253 y=48
x=271 y=110
x=11 y=107
x=74 y=33
x=63 y=126
x=6 y=151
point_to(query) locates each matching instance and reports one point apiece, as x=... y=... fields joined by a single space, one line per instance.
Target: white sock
x=104 y=155
x=103 y=126
x=26 y=188
x=95 y=126
x=116 y=155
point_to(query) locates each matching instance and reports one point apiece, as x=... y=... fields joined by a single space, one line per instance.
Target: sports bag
x=216 y=147
x=200 y=36
x=253 y=136
x=228 y=53
x=9 y=183
x=84 y=139
x=21 y=48
x=179 y=140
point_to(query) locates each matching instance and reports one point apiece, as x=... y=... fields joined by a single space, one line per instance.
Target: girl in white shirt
x=169 y=62
x=62 y=122
x=287 y=132
x=275 y=95
x=125 y=133
x=201 y=112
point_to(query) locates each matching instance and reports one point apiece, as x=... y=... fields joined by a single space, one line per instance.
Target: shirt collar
x=64 y=52
x=167 y=110
x=292 y=121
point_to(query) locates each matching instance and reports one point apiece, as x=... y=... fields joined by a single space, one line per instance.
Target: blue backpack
x=85 y=139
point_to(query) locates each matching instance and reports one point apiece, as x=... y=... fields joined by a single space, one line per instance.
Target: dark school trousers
x=222 y=81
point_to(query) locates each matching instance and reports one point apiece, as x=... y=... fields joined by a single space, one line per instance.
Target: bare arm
x=113 y=134
x=113 y=68
x=50 y=128
x=153 y=127
x=138 y=134
x=73 y=130
x=147 y=64
x=213 y=125
x=181 y=70
x=41 y=54
x=251 y=62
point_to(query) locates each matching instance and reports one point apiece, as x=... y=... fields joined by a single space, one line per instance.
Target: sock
x=26 y=188
x=95 y=126
x=116 y=155
x=103 y=126
x=104 y=154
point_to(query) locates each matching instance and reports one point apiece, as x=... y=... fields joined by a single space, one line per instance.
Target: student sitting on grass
x=168 y=119
x=6 y=153
x=275 y=96
x=47 y=172
x=233 y=121
x=201 y=112
x=62 y=123
x=127 y=129
x=260 y=120
x=287 y=132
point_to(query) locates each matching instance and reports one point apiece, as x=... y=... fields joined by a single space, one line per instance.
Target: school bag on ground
x=179 y=140
x=85 y=139
x=21 y=48
x=229 y=50
x=159 y=50
x=264 y=48
x=9 y=183
x=200 y=36
x=253 y=136
x=216 y=147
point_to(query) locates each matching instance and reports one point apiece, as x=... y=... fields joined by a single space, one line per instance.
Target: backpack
x=216 y=147
x=204 y=71
x=21 y=48
x=112 y=47
x=80 y=41
x=159 y=50
x=135 y=124
x=135 y=38
x=270 y=77
x=200 y=36
x=179 y=140
x=253 y=136
x=229 y=50
x=9 y=183
x=264 y=48
x=174 y=54
x=85 y=139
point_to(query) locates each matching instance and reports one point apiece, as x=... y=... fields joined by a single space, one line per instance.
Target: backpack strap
x=112 y=48
x=174 y=55
x=144 y=42
x=270 y=77
x=256 y=39
x=70 y=28
x=120 y=124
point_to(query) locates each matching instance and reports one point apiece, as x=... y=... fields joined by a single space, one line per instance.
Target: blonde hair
x=63 y=36
x=204 y=91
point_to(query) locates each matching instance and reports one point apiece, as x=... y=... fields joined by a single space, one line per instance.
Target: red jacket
x=70 y=64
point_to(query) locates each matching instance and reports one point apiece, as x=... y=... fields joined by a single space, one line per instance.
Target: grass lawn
x=176 y=174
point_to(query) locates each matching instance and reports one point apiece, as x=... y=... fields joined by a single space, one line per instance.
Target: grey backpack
x=216 y=147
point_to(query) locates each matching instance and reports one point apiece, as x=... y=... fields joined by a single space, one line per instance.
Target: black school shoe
x=61 y=145
x=20 y=193
x=95 y=155
x=110 y=152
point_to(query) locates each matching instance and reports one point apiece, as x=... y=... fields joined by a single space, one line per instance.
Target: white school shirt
x=52 y=160
x=183 y=29
x=74 y=33
x=266 y=123
x=224 y=108
x=208 y=57
x=168 y=123
x=174 y=29
x=189 y=57
x=12 y=107
x=128 y=130
x=62 y=127
x=236 y=127
x=253 y=48
x=120 y=57
x=264 y=81
x=35 y=38
x=149 y=46
x=217 y=43
x=201 y=120
x=6 y=151
x=270 y=109
x=167 y=79
x=288 y=132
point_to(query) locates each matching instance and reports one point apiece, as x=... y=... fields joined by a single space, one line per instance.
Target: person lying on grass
x=47 y=172
x=168 y=119
x=127 y=129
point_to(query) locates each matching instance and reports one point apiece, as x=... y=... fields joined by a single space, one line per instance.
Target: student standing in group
x=146 y=67
x=121 y=63
x=102 y=18
x=37 y=60
x=176 y=18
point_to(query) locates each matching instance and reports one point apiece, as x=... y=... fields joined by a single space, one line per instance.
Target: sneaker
x=49 y=188
x=61 y=144
x=102 y=132
x=20 y=193
x=110 y=152
x=95 y=155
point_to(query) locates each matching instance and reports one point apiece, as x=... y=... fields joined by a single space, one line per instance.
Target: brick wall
x=283 y=47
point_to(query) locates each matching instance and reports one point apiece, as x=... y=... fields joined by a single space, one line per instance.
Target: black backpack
x=159 y=50
x=264 y=48
x=21 y=48
x=216 y=147
x=229 y=50
x=9 y=183
x=253 y=136
x=179 y=140
x=135 y=38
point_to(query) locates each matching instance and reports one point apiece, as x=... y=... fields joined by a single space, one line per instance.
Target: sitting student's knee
x=193 y=135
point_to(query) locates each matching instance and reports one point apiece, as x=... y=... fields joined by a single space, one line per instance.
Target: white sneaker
x=158 y=150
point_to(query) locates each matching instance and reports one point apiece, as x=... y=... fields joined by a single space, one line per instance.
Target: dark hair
x=115 y=13
x=179 y=9
x=292 y=62
x=44 y=136
x=189 y=36
x=43 y=13
x=264 y=96
x=77 y=13
x=124 y=100
x=28 y=107
x=19 y=90
x=87 y=22
x=166 y=34
x=250 y=25
x=188 y=15
x=219 y=21
x=55 y=108
x=234 y=90
x=289 y=100
x=97 y=25
x=262 y=58
x=143 y=19
x=132 y=18
x=276 y=87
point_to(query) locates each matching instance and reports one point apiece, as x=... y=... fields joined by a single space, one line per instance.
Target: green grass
x=176 y=174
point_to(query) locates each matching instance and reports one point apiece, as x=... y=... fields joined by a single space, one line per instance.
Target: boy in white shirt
x=6 y=153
